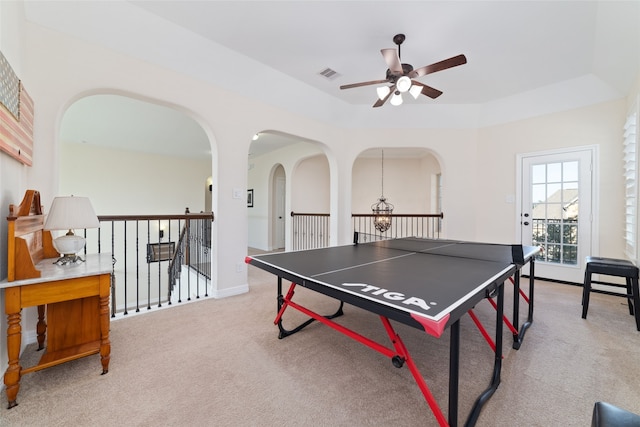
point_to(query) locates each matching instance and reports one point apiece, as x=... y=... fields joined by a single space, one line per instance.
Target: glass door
x=556 y=211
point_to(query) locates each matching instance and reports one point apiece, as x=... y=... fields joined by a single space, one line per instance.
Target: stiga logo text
x=390 y=295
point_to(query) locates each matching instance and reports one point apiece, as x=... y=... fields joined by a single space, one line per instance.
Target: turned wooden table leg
x=14 y=337
x=105 y=344
x=41 y=328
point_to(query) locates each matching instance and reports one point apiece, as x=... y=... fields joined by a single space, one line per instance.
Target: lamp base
x=69 y=259
x=68 y=246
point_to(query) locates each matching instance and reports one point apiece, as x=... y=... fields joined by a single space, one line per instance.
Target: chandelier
x=381 y=209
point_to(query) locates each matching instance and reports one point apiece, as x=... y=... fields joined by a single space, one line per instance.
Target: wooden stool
x=613 y=267
x=608 y=415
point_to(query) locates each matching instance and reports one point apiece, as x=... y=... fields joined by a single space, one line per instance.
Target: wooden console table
x=74 y=297
x=76 y=300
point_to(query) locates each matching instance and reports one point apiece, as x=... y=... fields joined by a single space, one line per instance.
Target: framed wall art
x=16 y=116
x=250 y=198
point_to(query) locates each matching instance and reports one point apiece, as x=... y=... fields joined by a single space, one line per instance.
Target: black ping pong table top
x=424 y=283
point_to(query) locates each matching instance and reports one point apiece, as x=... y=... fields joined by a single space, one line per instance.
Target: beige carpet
x=220 y=363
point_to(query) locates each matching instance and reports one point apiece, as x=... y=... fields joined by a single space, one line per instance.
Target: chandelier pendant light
x=382 y=210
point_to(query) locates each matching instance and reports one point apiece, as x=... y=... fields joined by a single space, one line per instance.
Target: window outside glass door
x=555 y=208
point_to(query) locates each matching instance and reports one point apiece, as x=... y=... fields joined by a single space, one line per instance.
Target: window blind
x=630 y=152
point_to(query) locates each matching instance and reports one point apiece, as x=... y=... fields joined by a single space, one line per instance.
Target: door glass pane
x=570 y=232
x=570 y=171
x=570 y=254
x=554 y=191
x=538 y=193
x=554 y=212
x=554 y=172
x=538 y=174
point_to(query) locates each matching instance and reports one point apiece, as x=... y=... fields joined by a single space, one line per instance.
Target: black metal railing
x=157 y=259
x=311 y=230
x=193 y=251
x=402 y=225
x=557 y=239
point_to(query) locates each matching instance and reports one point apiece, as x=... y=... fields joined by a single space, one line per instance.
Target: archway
x=273 y=170
x=409 y=180
x=143 y=165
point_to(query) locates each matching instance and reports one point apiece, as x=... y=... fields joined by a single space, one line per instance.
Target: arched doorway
x=131 y=156
x=278 y=166
x=142 y=165
x=404 y=186
x=278 y=214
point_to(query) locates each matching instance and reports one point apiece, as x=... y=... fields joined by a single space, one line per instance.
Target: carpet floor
x=220 y=363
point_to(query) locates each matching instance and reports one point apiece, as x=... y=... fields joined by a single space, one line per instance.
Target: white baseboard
x=229 y=292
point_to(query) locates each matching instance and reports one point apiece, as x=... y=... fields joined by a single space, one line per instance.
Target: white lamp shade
x=415 y=91
x=383 y=91
x=396 y=99
x=70 y=212
x=403 y=84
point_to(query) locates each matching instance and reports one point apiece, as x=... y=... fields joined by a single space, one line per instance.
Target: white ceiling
x=511 y=46
x=525 y=58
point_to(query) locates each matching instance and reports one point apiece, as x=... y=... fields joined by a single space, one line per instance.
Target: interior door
x=280 y=213
x=557 y=212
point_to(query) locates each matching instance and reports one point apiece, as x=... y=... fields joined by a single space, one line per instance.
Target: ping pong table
x=427 y=284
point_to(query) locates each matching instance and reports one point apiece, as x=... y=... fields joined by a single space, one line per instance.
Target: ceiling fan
x=401 y=76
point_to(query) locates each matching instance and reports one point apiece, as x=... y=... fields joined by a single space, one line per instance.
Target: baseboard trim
x=229 y=292
x=595 y=290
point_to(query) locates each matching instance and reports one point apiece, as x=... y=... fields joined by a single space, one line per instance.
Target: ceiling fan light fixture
x=399 y=75
x=415 y=91
x=383 y=91
x=403 y=84
x=396 y=99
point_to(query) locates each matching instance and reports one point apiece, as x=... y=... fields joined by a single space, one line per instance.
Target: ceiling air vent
x=329 y=73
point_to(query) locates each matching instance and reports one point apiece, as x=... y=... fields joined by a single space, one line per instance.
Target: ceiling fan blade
x=373 y=82
x=393 y=60
x=380 y=102
x=428 y=90
x=438 y=66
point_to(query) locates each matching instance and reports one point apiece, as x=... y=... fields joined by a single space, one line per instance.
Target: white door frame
x=279 y=216
x=592 y=248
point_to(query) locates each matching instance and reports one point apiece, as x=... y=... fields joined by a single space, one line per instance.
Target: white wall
x=13 y=174
x=310 y=186
x=407 y=183
x=601 y=125
x=128 y=182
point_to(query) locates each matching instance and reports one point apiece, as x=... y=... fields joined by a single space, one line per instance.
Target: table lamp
x=69 y=213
